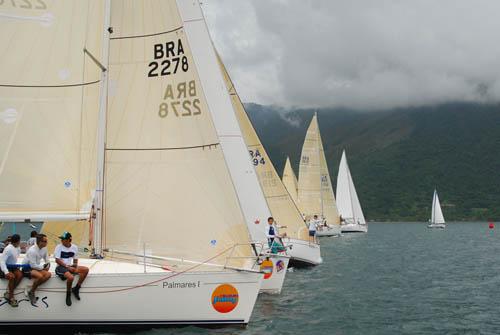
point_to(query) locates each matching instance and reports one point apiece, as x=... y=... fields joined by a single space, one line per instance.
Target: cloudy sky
x=361 y=54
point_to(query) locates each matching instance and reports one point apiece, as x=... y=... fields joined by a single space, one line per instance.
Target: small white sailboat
x=275 y=196
x=352 y=218
x=167 y=221
x=437 y=218
x=315 y=192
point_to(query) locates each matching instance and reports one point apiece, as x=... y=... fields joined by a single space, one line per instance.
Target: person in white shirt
x=9 y=269
x=312 y=228
x=38 y=270
x=66 y=255
x=32 y=239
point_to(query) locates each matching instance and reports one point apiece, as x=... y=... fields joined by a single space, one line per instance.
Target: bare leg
x=82 y=271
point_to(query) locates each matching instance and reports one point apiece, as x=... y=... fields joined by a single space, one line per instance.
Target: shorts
x=61 y=270
x=10 y=268
x=312 y=232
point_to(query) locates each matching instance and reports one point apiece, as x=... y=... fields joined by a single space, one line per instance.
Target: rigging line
x=146 y=35
x=51 y=86
x=164 y=149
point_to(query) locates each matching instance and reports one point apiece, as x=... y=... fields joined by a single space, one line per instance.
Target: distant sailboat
x=352 y=218
x=282 y=207
x=290 y=180
x=437 y=218
x=315 y=192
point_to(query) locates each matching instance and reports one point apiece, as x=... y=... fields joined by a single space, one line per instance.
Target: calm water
x=397 y=279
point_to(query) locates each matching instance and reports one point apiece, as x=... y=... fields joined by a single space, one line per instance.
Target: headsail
x=290 y=180
x=280 y=203
x=167 y=183
x=48 y=109
x=347 y=198
x=315 y=194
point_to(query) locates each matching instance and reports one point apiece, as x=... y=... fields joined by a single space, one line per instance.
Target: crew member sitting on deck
x=38 y=270
x=66 y=255
x=9 y=269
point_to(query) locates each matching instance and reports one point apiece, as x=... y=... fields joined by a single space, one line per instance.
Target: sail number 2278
x=169 y=59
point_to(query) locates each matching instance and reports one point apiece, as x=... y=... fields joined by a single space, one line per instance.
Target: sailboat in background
x=282 y=207
x=437 y=218
x=290 y=180
x=167 y=226
x=352 y=218
x=315 y=192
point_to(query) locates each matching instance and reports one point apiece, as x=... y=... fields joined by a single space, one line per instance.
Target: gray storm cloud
x=359 y=54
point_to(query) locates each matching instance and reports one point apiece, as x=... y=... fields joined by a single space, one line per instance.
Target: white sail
x=328 y=204
x=315 y=194
x=167 y=185
x=282 y=207
x=347 y=198
x=437 y=213
x=290 y=180
x=250 y=195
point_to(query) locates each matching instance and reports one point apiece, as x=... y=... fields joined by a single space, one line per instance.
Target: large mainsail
x=315 y=193
x=347 y=198
x=290 y=180
x=49 y=88
x=167 y=185
x=437 y=213
x=280 y=203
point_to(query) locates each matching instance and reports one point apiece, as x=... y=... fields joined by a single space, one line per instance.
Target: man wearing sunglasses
x=66 y=255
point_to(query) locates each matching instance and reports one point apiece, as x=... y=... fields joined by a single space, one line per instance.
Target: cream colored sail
x=48 y=107
x=290 y=180
x=279 y=201
x=329 y=205
x=167 y=187
x=315 y=193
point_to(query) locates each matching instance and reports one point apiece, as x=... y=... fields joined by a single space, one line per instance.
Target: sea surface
x=400 y=278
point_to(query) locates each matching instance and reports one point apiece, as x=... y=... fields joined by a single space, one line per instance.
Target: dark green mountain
x=398 y=157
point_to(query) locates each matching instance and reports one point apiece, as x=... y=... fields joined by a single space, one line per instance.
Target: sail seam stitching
x=147 y=35
x=51 y=86
x=163 y=149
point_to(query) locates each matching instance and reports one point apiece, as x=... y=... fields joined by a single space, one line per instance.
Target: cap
x=65 y=236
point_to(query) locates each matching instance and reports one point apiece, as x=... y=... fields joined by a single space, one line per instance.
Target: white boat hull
x=328 y=231
x=303 y=253
x=436 y=225
x=274 y=268
x=354 y=228
x=156 y=298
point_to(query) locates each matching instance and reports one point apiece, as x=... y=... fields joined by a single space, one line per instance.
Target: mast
x=101 y=135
